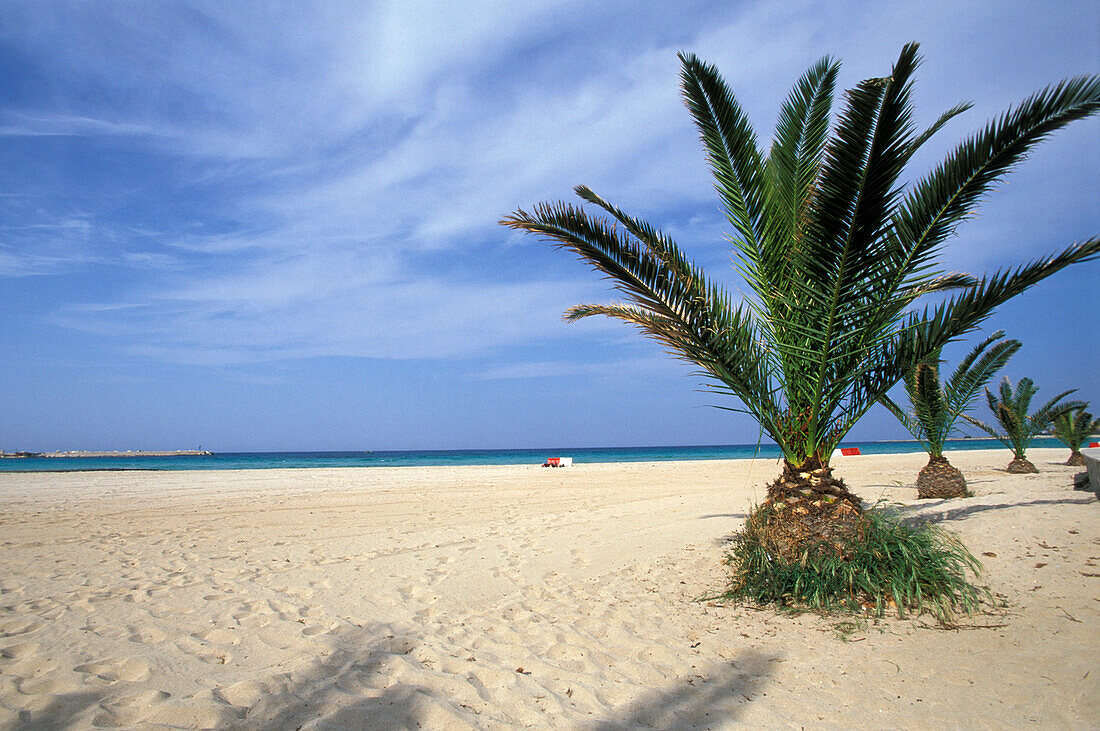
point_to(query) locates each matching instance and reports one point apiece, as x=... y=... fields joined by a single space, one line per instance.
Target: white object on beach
x=559 y=462
x=1092 y=464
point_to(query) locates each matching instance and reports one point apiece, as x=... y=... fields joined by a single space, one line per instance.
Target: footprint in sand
x=80 y=600
x=500 y=572
x=192 y=714
x=434 y=576
x=212 y=655
x=108 y=631
x=129 y=710
x=399 y=645
x=282 y=640
x=252 y=620
x=112 y=670
x=318 y=629
x=244 y=694
x=428 y=614
x=48 y=686
x=220 y=636
x=284 y=610
x=18 y=626
x=54 y=613
x=311 y=611
x=414 y=592
x=10 y=586
x=32 y=667
x=167 y=611
x=20 y=650
x=491 y=678
x=38 y=605
x=299 y=592
x=146 y=635
x=245 y=609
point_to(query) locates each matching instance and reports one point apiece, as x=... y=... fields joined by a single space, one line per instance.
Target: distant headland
x=128 y=453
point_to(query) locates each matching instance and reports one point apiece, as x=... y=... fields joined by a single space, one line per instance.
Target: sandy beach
x=500 y=597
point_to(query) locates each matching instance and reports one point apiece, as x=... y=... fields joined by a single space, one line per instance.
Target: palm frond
x=671 y=300
x=929 y=330
x=732 y=151
x=969 y=377
x=1073 y=427
x=945 y=283
x=795 y=157
x=940 y=201
x=930 y=405
x=1045 y=414
x=938 y=125
x=999 y=436
x=911 y=424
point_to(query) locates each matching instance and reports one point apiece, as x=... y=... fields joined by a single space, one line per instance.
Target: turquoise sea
x=580 y=455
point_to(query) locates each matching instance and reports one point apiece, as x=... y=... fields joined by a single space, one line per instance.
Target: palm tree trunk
x=940 y=479
x=809 y=510
x=1076 y=459
x=1021 y=466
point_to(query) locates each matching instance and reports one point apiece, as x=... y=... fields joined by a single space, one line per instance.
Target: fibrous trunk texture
x=809 y=510
x=940 y=479
x=1021 y=466
x=1076 y=459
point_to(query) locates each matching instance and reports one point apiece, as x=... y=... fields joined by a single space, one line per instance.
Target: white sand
x=494 y=597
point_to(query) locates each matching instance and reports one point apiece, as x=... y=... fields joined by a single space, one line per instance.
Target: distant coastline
x=129 y=453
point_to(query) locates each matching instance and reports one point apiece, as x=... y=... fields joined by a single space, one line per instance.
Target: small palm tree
x=937 y=406
x=1072 y=428
x=1018 y=427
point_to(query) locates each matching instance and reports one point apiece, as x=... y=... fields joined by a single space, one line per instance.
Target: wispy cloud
x=223 y=323
x=635 y=367
x=47 y=125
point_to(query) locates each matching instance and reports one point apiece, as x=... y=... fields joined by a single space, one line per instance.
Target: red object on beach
x=553 y=462
x=849 y=451
x=1094 y=444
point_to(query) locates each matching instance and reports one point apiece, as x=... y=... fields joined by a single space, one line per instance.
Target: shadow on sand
x=342 y=690
x=60 y=713
x=710 y=699
x=347 y=689
x=964 y=511
x=339 y=696
x=338 y=691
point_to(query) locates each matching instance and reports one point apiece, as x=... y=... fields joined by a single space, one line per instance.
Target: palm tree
x=836 y=254
x=1017 y=425
x=937 y=406
x=1072 y=428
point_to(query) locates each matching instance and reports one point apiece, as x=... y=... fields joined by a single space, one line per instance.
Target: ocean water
x=580 y=455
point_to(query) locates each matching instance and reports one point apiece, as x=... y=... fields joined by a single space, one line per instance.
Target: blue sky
x=271 y=226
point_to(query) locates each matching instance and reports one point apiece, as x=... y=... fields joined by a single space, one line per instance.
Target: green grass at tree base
x=893 y=565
